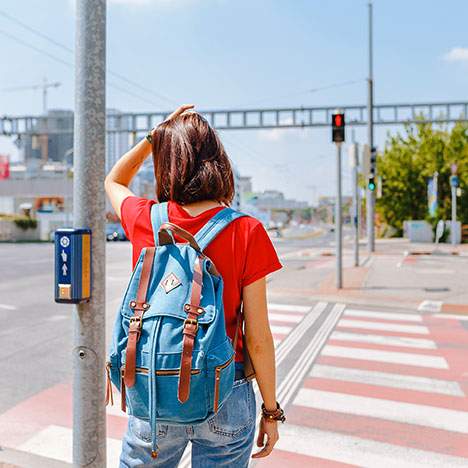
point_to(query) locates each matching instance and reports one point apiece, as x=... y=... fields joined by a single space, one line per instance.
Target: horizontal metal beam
x=252 y=119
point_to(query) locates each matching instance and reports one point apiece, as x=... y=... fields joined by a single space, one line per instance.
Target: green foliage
x=409 y=159
x=25 y=222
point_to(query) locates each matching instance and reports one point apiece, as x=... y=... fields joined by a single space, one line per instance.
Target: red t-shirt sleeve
x=131 y=211
x=261 y=258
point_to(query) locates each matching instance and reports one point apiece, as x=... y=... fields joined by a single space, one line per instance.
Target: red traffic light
x=338 y=120
x=338 y=128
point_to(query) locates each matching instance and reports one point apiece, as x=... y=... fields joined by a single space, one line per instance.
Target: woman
x=194 y=175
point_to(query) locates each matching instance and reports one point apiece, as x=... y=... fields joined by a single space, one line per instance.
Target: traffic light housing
x=338 y=128
x=371 y=181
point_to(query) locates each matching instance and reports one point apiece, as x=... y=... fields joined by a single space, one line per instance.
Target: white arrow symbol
x=64 y=269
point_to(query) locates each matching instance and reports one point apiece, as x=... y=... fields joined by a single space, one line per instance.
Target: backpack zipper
x=145 y=371
x=218 y=370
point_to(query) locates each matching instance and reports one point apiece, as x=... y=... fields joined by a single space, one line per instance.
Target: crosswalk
x=388 y=389
x=42 y=425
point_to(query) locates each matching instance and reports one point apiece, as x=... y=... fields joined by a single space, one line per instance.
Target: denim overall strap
x=159 y=216
x=215 y=225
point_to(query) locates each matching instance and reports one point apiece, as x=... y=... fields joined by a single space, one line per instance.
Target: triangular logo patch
x=170 y=282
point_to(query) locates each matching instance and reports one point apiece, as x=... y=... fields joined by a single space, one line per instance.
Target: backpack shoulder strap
x=215 y=225
x=159 y=216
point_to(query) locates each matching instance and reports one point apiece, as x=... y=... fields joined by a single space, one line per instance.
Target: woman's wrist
x=277 y=414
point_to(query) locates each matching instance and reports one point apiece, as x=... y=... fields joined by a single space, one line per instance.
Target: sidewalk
x=398 y=274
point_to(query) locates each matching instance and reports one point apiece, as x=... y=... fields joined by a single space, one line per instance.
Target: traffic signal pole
x=89 y=423
x=338 y=137
x=370 y=194
x=338 y=221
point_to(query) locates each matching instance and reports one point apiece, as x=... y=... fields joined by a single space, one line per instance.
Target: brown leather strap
x=178 y=231
x=190 y=331
x=139 y=307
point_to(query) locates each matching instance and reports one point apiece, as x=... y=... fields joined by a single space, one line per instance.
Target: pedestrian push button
x=72 y=265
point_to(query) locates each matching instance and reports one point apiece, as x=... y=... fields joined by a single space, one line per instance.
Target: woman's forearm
x=262 y=353
x=127 y=166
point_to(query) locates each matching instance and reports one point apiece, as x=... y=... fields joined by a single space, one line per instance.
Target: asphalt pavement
x=372 y=375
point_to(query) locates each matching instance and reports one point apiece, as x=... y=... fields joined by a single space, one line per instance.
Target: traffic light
x=338 y=128
x=371 y=181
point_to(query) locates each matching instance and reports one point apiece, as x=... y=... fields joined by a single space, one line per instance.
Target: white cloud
x=457 y=54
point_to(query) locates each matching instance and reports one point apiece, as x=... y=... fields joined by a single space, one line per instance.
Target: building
x=117 y=143
x=47 y=145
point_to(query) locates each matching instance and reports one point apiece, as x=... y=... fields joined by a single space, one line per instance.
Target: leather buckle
x=191 y=322
x=135 y=325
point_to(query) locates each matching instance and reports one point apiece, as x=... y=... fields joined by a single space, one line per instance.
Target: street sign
x=454 y=181
x=338 y=128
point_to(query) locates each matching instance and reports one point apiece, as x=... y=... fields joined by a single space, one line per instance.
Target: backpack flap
x=171 y=285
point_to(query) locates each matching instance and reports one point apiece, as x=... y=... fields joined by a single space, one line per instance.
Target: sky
x=221 y=54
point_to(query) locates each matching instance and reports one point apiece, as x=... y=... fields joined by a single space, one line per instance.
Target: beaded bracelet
x=276 y=415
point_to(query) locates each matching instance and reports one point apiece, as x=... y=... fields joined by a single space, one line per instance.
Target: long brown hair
x=190 y=163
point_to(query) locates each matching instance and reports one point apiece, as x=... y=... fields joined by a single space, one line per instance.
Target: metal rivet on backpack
x=145 y=306
x=187 y=307
x=200 y=310
x=132 y=303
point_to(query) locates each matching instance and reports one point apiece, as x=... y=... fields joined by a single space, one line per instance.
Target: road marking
x=281 y=329
x=408 y=413
x=8 y=307
x=57 y=442
x=430 y=306
x=360 y=452
x=382 y=315
x=295 y=376
x=281 y=352
x=393 y=357
x=115 y=409
x=383 y=326
x=289 y=307
x=451 y=316
x=274 y=317
x=384 y=340
x=387 y=379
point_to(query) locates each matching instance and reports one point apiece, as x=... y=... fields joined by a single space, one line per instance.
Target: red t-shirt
x=242 y=252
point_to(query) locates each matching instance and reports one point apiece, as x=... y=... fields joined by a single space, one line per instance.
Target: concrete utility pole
x=89 y=424
x=370 y=195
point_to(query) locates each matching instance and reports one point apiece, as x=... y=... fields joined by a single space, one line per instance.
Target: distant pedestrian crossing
x=388 y=389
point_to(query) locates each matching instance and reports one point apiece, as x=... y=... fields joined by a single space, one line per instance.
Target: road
x=363 y=384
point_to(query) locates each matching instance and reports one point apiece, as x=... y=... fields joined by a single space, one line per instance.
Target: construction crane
x=45 y=85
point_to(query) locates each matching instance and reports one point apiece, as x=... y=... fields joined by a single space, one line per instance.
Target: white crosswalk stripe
x=384 y=340
x=57 y=442
x=410 y=413
x=382 y=315
x=291 y=318
x=396 y=327
x=360 y=452
x=394 y=357
x=387 y=379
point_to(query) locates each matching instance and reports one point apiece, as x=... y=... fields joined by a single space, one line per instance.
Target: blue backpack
x=170 y=355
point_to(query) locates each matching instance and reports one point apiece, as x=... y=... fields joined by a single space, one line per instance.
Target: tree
x=409 y=159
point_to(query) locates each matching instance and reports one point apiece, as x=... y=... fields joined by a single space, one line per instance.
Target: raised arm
x=117 y=181
x=259 y=341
